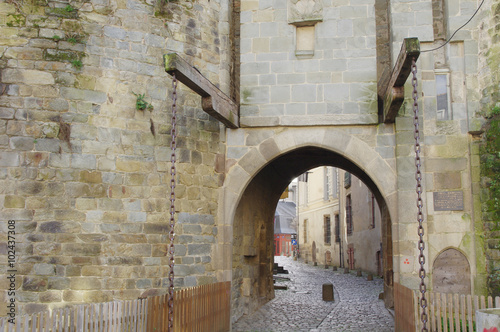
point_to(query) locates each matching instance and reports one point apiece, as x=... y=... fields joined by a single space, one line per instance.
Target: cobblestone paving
x=301 y=308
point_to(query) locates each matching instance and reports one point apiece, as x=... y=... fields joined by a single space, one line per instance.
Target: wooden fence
x=453 y=312
x=202 y=308
x=404 y=309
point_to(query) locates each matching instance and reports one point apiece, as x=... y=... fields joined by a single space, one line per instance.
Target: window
x=442 y=96
x=327 y=230
x=337 y=228
x=305 y=230
x=347 y=180
x=348 y=215
x=326 y=184
x=304 y=192
x=334 y=182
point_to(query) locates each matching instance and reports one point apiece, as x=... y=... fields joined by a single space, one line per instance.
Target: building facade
x=285 y=229
x=341 y=222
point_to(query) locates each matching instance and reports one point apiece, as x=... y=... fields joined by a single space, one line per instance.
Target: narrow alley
x=301 y=308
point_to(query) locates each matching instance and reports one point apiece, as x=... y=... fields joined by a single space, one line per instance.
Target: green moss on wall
x=490 y=161
x=490 y=174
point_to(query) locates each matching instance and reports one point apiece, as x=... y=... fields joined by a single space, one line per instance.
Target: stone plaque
x=448 y=201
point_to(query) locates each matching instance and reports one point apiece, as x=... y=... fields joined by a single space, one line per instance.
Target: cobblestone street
x=301 y=308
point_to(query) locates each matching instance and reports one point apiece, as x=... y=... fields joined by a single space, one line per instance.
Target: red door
x=350 y=254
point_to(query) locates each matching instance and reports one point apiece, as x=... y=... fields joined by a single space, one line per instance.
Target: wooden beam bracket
x=392 y=92
x=213 y=100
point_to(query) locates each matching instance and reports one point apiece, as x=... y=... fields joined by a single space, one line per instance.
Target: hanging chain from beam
x=171 y=250
x=420 y=204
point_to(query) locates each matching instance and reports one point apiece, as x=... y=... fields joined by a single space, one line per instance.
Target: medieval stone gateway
x=261 y=175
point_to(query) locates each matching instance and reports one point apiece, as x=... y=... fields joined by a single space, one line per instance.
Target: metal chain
x=171 y=250
x=420 y=205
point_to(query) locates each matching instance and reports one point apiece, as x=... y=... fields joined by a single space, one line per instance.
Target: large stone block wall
x=84 y=174
x=332 y=82
x=449 y=157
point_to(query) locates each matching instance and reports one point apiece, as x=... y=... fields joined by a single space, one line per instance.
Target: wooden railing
x=446 y=312
x=455 y=312
x=202 y=308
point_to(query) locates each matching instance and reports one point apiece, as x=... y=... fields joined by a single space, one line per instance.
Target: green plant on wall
x=77 y=64
x=141 y=104
x=75 y=38
x=16 y=20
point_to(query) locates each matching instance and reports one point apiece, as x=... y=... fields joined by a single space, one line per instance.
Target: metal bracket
x=392 y=92
x=213 y=100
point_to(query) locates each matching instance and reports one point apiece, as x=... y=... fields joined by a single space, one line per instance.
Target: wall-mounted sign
x=448 y=201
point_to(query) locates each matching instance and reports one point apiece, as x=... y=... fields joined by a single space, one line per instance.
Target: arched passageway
x=252 y=260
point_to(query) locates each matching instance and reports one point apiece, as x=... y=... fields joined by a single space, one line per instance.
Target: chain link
x=171 y=249
x=420 y=204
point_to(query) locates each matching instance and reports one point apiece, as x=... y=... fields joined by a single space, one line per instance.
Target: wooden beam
x=213 y=100
x=391 y=91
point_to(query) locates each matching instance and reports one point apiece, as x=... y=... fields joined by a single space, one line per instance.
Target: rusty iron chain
x=171 y=249
x=420 y=204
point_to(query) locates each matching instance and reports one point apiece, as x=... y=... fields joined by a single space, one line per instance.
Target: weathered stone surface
x=59 y=227
x=30 y=77
x=35 y=284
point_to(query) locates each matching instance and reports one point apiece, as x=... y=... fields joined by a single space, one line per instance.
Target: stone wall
x=84 y=172
x=308 y=65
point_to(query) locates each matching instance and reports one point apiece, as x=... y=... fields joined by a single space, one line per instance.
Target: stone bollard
x=334 y=268
x=315 y=264
x=369 y=277
x=326 y=266
x=359 y=273
x=328 y=292
x=346 y=270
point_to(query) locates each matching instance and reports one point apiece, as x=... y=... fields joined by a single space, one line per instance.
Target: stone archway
x=255 y=182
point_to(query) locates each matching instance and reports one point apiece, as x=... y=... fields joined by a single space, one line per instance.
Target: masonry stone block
x=345 y=28
x=252 y=161
x=268 y=149
x=97 y=97
x=295 y=109
x=13 y=201
x=298 y=78
x=44 y=269
x=336 y=92
x=449 y=180
x=9 y=159
x=254 y=137
x=31 y=77
x=236 y=152
x=34 y=284
x=304 y=93
x=199 y=249
x=85 y=283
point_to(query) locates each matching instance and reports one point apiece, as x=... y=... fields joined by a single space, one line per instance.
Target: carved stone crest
x=305 y=12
